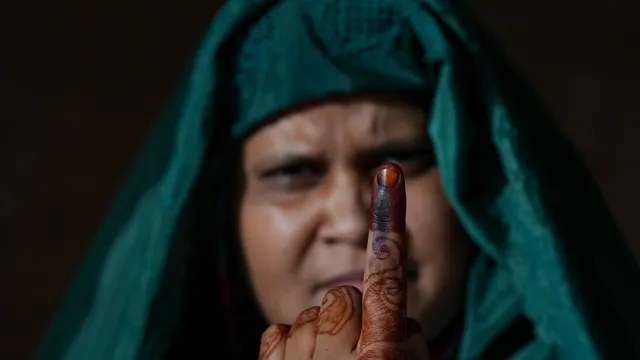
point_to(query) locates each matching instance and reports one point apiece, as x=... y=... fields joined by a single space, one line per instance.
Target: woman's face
x=305 y=206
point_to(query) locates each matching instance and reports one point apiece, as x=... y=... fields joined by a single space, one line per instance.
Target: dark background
x=83 y=80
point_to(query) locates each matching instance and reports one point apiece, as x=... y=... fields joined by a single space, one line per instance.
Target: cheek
x=440 y=250
x=273 y=244
x=267 y=236
x=432 y=225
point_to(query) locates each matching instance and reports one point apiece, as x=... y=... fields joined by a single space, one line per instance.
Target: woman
x=256 y=186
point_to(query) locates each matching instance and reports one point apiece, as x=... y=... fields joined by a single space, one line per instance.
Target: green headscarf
x=549 y=250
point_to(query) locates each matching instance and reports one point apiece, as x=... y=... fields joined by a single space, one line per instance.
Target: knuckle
x=307 y=317
x=352 y=291
x=274 y=331
x=339 y=307
x=341 y=295
x=308 y=314
x=343 y=291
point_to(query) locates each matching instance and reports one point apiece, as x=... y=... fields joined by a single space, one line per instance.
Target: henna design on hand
x=384 y=300
x=308 y=316
x=272 y=338
x=336 y=311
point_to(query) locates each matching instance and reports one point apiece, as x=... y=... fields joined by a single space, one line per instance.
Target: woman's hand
x=351 y=325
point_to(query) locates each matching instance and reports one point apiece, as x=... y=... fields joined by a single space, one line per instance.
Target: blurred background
x=83 y=81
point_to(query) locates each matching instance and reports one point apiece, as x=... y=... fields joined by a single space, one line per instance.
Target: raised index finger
x=384 y=300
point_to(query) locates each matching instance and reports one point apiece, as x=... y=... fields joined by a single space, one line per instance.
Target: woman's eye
x=295 y=176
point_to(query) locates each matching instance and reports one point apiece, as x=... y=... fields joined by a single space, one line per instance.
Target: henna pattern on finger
x=382 y=353
x=308 y=316
x=272 y=338
x=384 y=299
x=337 y=309
x=384 y=304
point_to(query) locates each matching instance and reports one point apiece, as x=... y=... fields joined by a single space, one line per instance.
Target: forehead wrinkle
x=332 y=128
x=369 y=119
x=400 y=119
x=298 y=128
x=273 y=140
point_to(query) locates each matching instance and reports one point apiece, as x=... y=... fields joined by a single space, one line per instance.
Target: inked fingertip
x=389 y=175
x=388 y=199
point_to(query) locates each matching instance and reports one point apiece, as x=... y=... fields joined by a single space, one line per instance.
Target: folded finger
x=272 y=344
x=301 y=341
x=338 y=323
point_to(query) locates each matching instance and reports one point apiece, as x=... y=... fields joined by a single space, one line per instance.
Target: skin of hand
x=354 y=325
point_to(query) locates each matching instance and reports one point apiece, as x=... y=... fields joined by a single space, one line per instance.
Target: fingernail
x=388 y=199
x=388 y=175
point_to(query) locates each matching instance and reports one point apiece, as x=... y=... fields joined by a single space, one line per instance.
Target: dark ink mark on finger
x=388 y=200
x=380 y=248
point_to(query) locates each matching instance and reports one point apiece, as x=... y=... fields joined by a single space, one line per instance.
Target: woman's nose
x=345 y=211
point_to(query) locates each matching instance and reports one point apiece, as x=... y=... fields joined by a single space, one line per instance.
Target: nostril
x=331 y=241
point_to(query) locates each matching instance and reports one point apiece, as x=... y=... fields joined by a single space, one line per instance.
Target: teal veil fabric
x=549 y=250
